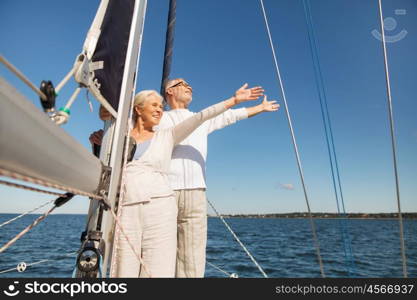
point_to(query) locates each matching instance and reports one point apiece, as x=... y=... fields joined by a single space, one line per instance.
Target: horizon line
x=231 y=214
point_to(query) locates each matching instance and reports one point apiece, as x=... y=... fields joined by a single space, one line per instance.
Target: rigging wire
x=331 y=149
x=393 y=142
x=313 y=227
x=237 y=239
x=18 y=268
x=231 y=275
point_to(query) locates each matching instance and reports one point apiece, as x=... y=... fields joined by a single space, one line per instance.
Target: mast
x=116 y=85
x=125 y=103
x=169 y=44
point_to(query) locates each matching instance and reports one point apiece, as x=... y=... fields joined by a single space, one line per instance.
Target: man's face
x=180 y=91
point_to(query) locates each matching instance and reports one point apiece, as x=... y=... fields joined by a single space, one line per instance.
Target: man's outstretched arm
x=263 y=107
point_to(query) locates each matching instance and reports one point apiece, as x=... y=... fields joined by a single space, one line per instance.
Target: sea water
x=282 y=247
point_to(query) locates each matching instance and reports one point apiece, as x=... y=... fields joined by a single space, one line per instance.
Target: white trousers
x=192 y=233
x=151 y=228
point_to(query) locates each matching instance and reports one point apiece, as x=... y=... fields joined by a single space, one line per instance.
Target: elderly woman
x=148 y=210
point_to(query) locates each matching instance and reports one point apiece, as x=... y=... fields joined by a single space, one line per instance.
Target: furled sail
x=102 y=63
x=112 y=47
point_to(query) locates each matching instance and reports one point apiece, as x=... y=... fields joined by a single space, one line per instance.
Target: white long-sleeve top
x=146 y=177
x=188 y=164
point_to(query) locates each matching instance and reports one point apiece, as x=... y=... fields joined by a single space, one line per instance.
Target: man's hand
x=96 y=137
x=263 y=107
x=244 y=94
x=269 y=105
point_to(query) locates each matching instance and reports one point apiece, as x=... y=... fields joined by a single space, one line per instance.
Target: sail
x=111 y=48
x=101 y=65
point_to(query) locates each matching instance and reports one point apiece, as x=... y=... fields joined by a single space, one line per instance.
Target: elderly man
x=188 y=166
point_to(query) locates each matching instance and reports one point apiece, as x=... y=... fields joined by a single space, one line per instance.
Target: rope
x=313 y=228
x=35 y=263
x=22 y=77
x=169 y=44
x=29 y=188
x=24 y=231
x=24 y=214
x=393 y=142
x=237 y=239
x=15 y=175
x=329 y=138
x=57 y=203
x=119 y=228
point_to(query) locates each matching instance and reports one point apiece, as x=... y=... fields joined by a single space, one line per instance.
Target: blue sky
x=219 y=45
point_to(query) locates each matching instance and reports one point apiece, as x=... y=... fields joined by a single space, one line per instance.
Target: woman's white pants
x=152 y=229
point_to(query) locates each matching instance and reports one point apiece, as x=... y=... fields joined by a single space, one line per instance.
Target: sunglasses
x=181 y=83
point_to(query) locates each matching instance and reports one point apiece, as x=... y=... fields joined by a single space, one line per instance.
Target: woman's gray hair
x=140 y=99
x=142 y=96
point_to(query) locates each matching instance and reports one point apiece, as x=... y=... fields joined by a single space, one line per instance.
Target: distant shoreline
x=303 y=215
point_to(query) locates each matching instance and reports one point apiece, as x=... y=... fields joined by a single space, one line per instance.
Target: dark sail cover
x=112 y=47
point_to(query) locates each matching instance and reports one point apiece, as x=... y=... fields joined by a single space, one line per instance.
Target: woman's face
x=151 y=112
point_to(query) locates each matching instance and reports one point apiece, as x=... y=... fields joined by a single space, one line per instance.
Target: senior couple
x=164 y=211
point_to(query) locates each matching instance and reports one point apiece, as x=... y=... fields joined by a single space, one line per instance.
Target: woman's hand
x=244 y=94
